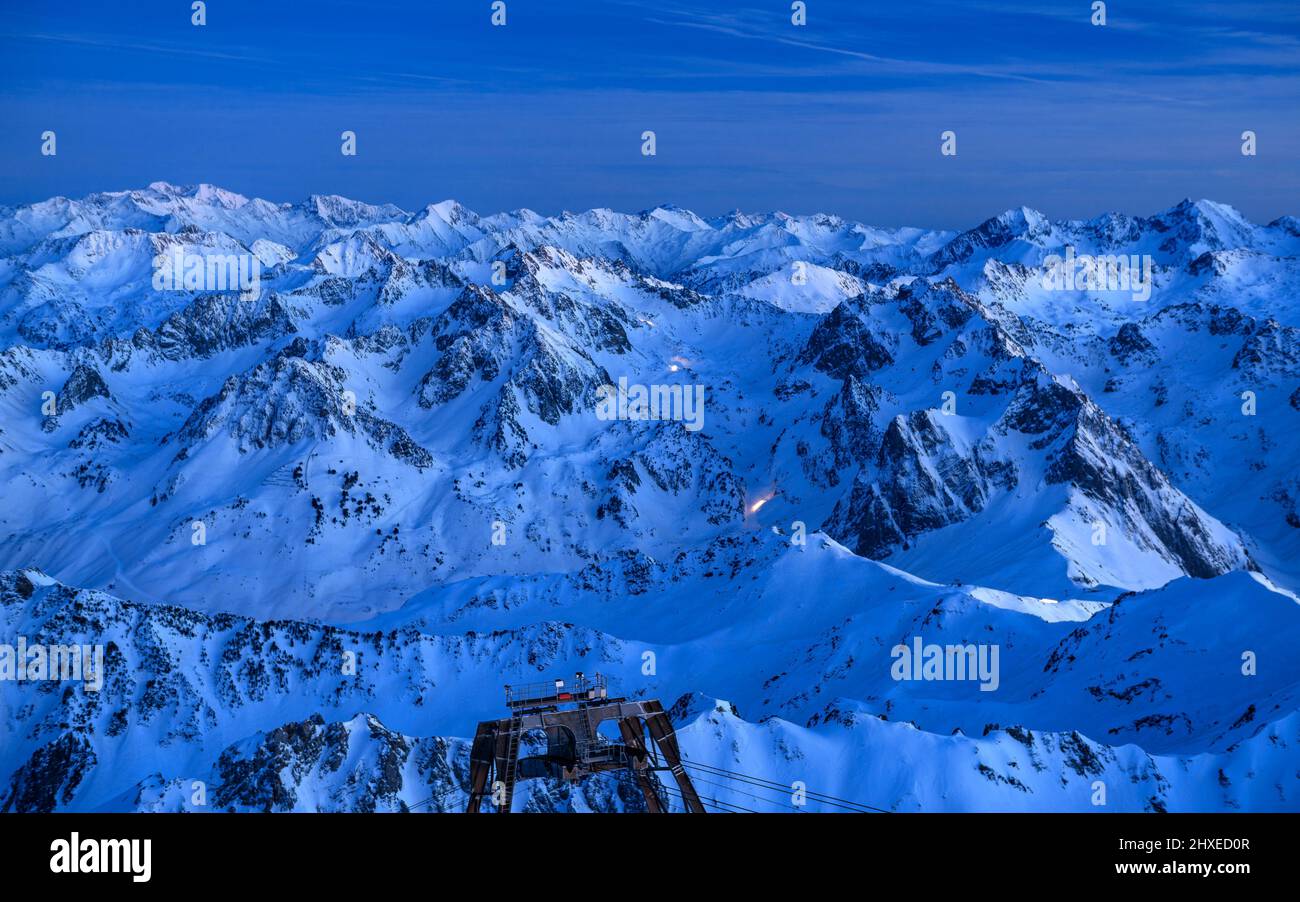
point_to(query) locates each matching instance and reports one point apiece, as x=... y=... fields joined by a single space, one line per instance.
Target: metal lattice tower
x=570 y=718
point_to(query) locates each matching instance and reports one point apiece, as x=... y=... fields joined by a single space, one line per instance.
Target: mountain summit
x=764 y=450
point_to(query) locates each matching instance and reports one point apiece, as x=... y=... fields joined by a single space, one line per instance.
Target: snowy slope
x=396 y=443
x=267 y=717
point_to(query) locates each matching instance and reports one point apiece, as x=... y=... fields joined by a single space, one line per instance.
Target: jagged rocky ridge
x=401 y=423
x=218 y=712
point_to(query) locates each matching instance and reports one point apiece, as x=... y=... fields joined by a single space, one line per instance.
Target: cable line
x=763 y=783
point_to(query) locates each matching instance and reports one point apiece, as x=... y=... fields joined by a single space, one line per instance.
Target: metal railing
x=582 y=688
x=602 y=751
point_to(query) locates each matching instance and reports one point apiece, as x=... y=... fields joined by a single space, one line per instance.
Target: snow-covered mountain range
x=316 y=525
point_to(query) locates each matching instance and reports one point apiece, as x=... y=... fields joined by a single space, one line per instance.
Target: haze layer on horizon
x=841 y=115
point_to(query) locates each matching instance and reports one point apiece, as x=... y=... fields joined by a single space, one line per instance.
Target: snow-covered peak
x=678 y=218
x=768 y=448
x=341 y=212
x=451 y=211
x=1203 y=225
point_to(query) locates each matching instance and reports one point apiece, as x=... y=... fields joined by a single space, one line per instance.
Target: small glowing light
x=753 y=508
x=672 y=367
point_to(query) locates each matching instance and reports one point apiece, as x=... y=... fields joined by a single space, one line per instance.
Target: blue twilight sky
x=843 y=115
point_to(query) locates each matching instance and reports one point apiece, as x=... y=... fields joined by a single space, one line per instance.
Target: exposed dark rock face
x=844 y=344
x=1130 y=343
x=84 y=383
x=995 y=232
x=406 y=385
x=187 y=676
x=920 y=482
x=911 y=476
x=218 y=322
x=50 y=777
x=99 y=432
x=935 y=310
x=1101 y=462
x=470 y=337
x=267 y=776
x=481 y=338
x=290 y=399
